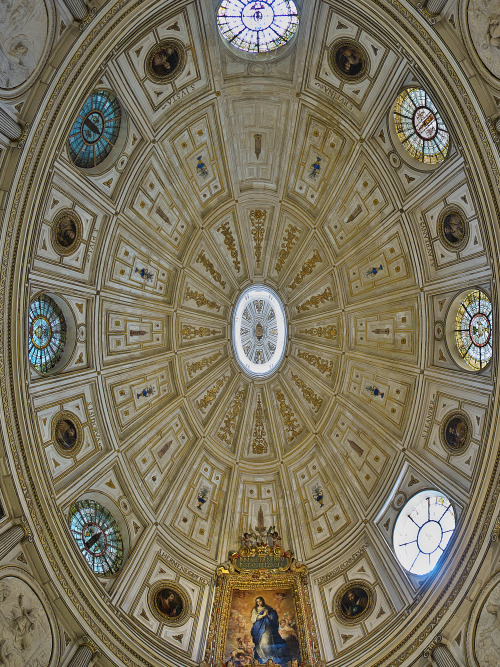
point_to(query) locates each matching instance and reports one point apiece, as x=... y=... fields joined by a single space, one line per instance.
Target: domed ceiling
x=253 y=169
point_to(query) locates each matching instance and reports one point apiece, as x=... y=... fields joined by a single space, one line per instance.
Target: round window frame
x=260 y=58
x=117 y=149
x=413 y=503
x=405 y=156
x=70 y=344
x=450 y=340
x=241 y=364
x=109 y=505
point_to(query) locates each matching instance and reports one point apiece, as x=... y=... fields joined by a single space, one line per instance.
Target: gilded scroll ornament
x=209 y=267
x=258 y=220
x=259 y=444
x=322 y=365
x=189 y=332
x=230 y=243
x=211 y=394
x=292 y=426
x=316 y=300
x=196 y=366
x=226 y=431
x=290 y=238
x=307 y=269
x=309 y=394
x=329 y=332
x=201 y=299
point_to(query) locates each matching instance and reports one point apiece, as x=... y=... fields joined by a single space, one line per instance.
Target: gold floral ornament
x=306 y=270
x=290 y=238
x=259 y=443
x=258 y=221
x=230 y=243
x=209 y=267
x=228 y=427
x=316 y=300
x=292 y=426
x=211 y=394
x=196 y=366
x=201 y=300
x=189 y=332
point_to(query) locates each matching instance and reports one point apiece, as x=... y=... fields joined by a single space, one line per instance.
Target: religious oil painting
x=262 y=611
x=354 y=601
x=483 y=18
x=165 y=61
x=23 y=33
x=456 y=432
x=169 y=603
x=262 y=625
x=66 y=432
x=453 y=229
x=66 y=233
x=349 y=60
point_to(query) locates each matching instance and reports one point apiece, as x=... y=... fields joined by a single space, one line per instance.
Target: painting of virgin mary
x=265 y=634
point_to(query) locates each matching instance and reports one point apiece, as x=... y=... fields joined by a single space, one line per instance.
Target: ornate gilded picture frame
x=262 y=611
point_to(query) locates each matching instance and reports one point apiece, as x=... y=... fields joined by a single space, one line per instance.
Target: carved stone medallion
x=354 y=602
x=484 y=28
x=165 y=61
x=66 y=232
x=349 y=60
x=456 y=431
x=169 y=603
x=25 y=630
x=487 y=635
x=24 y=27
x=453 y=228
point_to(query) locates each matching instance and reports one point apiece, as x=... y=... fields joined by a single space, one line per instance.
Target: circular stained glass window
x=96 y=129
x=420 y=127
x=257 y=26
x=473 y=329
x=98 y=536
x=259 y=331
x=422 y=531
x=47 y=333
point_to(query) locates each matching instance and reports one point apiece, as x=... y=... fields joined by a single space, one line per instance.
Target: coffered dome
x=259 y=280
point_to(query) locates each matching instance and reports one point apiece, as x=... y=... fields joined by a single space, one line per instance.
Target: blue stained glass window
x=420 y=127
x=98 y=536
x=257 y=26
x=96 y=129
x=473 y=330
x=47 y=333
